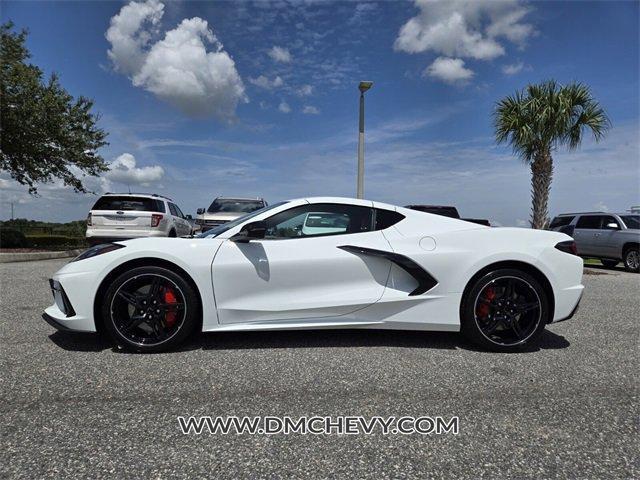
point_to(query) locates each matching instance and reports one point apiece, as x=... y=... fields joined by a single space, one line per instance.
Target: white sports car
x=324 y=263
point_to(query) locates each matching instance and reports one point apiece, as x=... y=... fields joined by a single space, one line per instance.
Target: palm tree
x=538 y=120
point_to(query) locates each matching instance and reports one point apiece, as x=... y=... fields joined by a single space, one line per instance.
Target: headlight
x=98 y=250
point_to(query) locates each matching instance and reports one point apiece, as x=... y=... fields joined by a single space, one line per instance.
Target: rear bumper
x=97 y=237
x=573 y=311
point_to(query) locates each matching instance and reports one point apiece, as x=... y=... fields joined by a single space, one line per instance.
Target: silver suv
x=226 y=209
x=610 y=237
x=122 y=216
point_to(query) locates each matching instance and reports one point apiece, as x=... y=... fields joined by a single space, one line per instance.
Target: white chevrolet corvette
x=324 y=263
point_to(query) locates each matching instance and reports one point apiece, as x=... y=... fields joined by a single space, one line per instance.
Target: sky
x=260 y=99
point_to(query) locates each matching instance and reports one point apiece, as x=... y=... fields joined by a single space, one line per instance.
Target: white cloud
x=284 y=107
x=467 y=29
x=264 y=82
x=361 y=11
x=449 y=70
x=513 y=68
x=178 y=69
x=304 y=90
x=310 y=110
x=127 y=37
x=601 y=207
x=124 y=170
x=280 y=54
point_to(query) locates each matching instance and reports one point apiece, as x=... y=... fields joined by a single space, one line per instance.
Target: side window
x=386 y=218
x=561 y=222
x=172 y=209
x=160 y=206
x=318 y=219
x=180 y=214
x=606 y=220
x=589 y=221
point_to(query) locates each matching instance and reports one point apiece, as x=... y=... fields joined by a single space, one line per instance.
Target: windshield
x=234 y=206
x=631 y=221
x=214 y=232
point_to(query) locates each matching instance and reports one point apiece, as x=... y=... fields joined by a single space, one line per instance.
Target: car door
x=185 y=224
x=298 y=272
x=178 y=220
x=604 y=241
x=585 y=234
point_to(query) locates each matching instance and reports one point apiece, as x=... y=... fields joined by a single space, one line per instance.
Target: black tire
x=173 y=234
x=632 y=259
x=154 y=333
x=608 y=262
x=519 y=330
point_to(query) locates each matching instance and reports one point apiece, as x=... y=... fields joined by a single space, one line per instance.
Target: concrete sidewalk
x=31 y=256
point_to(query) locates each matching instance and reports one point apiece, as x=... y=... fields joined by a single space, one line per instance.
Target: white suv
x=122 y=216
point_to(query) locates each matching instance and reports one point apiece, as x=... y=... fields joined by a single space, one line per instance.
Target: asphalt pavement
x=72 y=407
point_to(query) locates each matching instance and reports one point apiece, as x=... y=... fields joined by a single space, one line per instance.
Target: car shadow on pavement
x=92 y=342
x=80 y=342
x=353 y=338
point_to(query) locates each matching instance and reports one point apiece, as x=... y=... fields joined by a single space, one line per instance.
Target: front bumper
x=54 y=323
x=73 y=295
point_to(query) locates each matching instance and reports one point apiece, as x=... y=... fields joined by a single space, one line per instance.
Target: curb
x=30 y=257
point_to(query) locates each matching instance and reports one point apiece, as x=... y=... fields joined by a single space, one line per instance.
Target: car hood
x=227 y=216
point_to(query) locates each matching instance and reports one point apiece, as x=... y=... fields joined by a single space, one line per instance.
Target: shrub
x=53 y=241
x=10 y=238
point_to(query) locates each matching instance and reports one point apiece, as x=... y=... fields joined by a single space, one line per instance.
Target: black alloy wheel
x=150 y=309
x=506 y=310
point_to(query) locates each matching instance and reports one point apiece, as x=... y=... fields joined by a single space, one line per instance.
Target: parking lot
x=73 y=406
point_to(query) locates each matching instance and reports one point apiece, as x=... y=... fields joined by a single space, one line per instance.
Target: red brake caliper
x=482 y=310
x=169 y=298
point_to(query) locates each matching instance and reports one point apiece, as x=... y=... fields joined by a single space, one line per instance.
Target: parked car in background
x=610 y=237
x=123 y=216
x=226 y=209
x=447 y=211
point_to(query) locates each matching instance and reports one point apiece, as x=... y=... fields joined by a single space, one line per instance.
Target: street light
x=363 y=87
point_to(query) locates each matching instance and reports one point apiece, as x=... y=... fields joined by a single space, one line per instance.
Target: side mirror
x=612 y=226
x=189 y=217
x=251 y=231
x=200 y=211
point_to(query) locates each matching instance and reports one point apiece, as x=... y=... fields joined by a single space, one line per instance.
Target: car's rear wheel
x=632 y=259
x=149 y=309
x=505 y=310
x=608 y=263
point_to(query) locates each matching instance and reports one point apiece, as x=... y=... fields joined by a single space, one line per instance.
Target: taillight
x=89 y=220
x=155 y=219
x=568 y=247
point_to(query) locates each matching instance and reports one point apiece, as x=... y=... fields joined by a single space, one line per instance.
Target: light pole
x=363 y=87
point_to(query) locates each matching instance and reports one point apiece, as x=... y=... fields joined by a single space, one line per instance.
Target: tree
x=538 y=120
x=44 y=133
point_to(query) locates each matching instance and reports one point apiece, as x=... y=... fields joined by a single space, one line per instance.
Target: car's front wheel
x=149 y=309
x=505 y=310
x=632 y=259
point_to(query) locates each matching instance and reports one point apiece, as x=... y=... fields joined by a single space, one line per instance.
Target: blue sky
x=261 y=100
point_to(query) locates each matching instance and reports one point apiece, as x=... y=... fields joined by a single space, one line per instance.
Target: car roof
x=244 y=199
x=133 y=194
x=591 y=213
